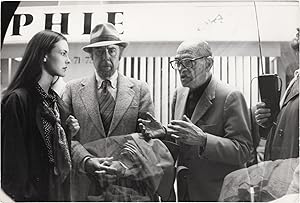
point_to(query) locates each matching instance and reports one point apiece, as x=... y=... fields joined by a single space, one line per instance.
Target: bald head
x=194 y=48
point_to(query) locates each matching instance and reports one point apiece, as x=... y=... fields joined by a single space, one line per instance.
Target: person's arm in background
x=257 y=153
x=259 y=130
x=262 y=115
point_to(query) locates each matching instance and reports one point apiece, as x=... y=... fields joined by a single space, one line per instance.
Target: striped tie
x=106 y=104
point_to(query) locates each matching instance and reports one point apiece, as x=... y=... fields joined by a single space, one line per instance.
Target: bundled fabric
x=263 y=182
x=149 y=172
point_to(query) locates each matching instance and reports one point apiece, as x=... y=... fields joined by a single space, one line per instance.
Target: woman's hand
x=73 y=125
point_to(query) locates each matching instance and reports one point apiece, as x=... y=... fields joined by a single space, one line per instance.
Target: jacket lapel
x=294 y=92
x=89 y=99
x=181 y=99
x=205 y=101
x=38 y=120
x=123 y=100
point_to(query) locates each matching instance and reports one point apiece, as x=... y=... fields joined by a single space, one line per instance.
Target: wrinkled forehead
x=193 y=49
x=185 y=53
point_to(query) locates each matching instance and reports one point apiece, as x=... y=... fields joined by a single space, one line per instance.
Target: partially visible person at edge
x=36 y=127
x=106 y=104
x=283 y=136
x=211 y=125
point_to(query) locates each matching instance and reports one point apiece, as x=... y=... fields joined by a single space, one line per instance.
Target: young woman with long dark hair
x=36 y=127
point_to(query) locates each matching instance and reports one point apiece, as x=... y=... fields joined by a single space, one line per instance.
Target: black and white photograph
x=150 y=101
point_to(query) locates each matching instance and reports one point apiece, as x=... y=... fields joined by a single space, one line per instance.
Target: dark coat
x=25 y=169
x=283 y=139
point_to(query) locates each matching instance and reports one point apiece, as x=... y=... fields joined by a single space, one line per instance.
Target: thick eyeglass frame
x=99 y=51
x=180 y=62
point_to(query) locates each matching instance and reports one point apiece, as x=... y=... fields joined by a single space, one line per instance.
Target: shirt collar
x=113 y=80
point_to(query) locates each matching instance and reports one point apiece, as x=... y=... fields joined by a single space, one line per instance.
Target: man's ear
x=91 y=55
x=209 y=63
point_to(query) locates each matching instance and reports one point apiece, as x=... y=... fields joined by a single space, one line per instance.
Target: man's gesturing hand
x=187 y=132
x=151 y=128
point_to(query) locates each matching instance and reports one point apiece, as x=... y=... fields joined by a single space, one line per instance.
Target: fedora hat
x=103 y=35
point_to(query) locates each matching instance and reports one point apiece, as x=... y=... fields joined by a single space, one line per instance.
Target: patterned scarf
x=55 y=137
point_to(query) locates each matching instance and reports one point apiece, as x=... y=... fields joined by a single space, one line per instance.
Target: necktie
x=106 y=104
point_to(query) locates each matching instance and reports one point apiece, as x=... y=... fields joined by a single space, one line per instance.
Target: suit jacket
x=283 y=138
x=222 y=114
x=25 y=169
x=133 y=98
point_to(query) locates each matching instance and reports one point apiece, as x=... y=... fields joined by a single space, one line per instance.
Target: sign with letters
x=159 y=22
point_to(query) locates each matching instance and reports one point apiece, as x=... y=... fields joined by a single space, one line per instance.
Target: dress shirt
x=113 y=83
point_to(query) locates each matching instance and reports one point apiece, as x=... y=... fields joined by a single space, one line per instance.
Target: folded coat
x=141 y=182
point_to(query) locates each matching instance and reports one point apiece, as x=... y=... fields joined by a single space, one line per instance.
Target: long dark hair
x=30 y=69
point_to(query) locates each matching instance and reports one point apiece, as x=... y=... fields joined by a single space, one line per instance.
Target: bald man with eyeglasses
x=210 y=123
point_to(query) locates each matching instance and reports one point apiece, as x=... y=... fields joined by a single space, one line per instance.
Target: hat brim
x=88 y=48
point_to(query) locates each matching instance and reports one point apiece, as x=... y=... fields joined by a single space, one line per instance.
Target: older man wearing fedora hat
x=106 y=104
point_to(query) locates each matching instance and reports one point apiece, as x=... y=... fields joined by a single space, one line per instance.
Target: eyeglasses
x=186 y=63
x=112 y=51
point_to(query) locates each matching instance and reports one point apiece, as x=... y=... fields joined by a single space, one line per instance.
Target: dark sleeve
x=14 y=156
